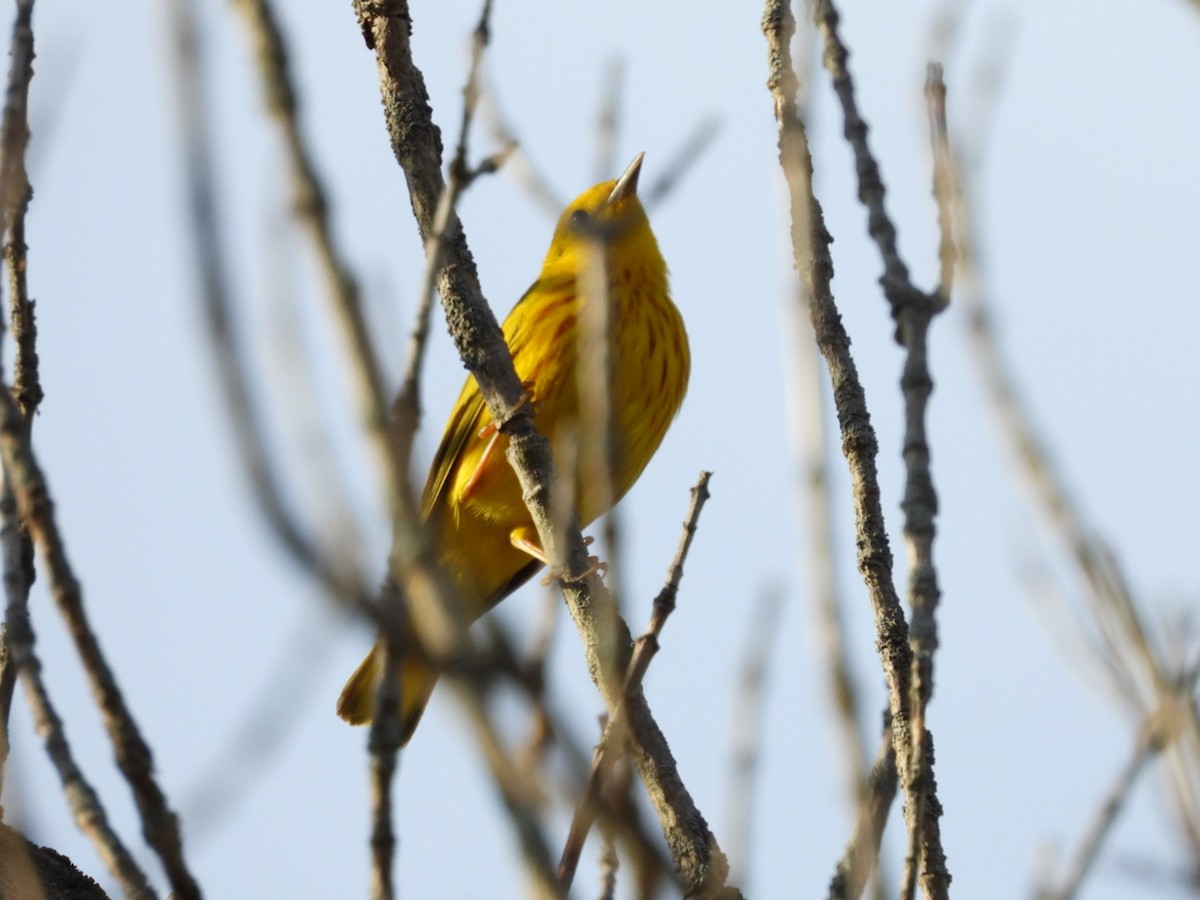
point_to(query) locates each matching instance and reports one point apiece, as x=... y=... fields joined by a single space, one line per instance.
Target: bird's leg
x=525 y=540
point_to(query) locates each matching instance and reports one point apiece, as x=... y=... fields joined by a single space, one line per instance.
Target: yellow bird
x=483 y=535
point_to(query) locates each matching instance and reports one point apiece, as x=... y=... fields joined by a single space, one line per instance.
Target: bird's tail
x=358 y=696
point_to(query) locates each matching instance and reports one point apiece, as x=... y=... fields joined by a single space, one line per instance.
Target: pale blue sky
x=1090 y=227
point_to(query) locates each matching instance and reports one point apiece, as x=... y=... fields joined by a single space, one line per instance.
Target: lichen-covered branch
x=416 y=143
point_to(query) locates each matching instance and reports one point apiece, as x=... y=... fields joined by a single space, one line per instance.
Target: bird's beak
x=626 y=185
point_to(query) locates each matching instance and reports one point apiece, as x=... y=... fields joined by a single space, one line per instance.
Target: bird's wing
x=466 y=421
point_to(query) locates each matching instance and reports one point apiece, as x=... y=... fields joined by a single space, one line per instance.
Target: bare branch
x=84 y=802
x=862 y=852
x=311 y=206
x=615 y=734
x=14 y=201
x=229 y=360
x=747 y=729
x=694 y=146
x=810 y=247
x=1146 y=746
x=132 y=752
x=417 y=146
x=609 y=120
x=15 y=194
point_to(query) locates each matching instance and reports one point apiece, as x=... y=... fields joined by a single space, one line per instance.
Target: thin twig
x=943 y=179
x=416 y=142
x=862 y=851
x=694 y=146
x=229 y=357
x=311 y=206
x=810 y=247
x=15 y=193
x=614 y=733
x=161 y=827
x=608 y=121
x=896 y=284
x=747 y=730
x=1146 y=746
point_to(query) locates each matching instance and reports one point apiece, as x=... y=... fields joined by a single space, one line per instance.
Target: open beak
x=626 y=185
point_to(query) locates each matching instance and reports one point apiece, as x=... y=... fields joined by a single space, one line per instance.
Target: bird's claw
x=596 y=566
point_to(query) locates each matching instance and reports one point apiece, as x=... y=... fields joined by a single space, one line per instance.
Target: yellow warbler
x=483 y=535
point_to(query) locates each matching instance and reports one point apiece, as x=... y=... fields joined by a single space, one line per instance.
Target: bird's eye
x=580 y=220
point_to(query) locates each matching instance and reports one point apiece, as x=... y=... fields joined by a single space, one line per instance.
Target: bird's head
x=610 y=214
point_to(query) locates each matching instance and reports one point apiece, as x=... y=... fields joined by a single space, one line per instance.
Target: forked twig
x=615 y=732
x=810 y=247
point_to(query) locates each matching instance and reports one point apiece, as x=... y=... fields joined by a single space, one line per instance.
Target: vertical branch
x=15 y=194
x=814 y=459
x=912 y=311
x=747 y=730
x=26 y=513
x=810 y=247
x=862 y=851
x=609 y=120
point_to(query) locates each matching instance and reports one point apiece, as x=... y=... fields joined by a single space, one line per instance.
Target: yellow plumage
x=472 y=502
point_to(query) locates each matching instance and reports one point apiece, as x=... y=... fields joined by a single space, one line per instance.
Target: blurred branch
x=1149 y=682
x=82 y=799
x=416 y=142
x=521 y=165
x=810 y=247
x=311 y=206
x=609 y=120
x=1157 y=732
x=747 y=730
x=862 y=852
x=520 y=798
x=694 y=146
x=211 y=269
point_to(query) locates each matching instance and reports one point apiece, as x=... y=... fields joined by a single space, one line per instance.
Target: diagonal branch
x=615 y=733
x=913 y=311
x=160 y=825
x=416 y=143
